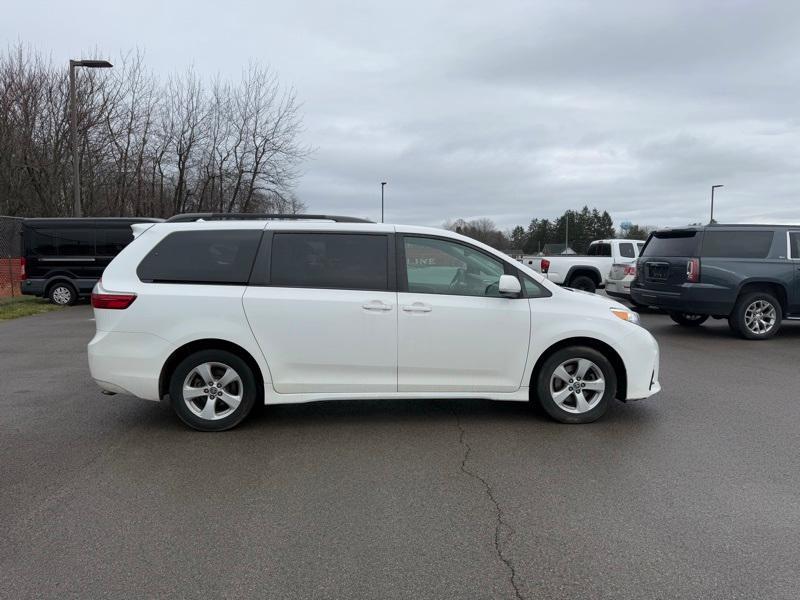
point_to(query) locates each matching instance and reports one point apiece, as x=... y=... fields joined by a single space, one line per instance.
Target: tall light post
x=73 y=124
x=383 y=184
x=713 y=187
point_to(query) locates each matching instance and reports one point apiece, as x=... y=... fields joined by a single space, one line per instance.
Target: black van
x=749 y=274
x=62 y=259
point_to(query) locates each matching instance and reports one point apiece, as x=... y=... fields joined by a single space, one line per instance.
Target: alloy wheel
x=760 y=317
x=212 y=390
x=577 y=385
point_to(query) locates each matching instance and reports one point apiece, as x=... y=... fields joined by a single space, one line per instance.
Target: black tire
x=246 y=387
x=583 y=283
x=738 y=319
x=561 y=413
x=62 y=293
x=688 y=319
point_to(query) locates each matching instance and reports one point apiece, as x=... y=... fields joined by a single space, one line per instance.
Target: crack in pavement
x=500 y=524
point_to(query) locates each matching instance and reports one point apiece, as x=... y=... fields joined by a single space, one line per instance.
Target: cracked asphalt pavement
x=692 y=494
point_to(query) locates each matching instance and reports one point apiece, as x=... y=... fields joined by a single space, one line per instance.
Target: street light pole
x=713 y=187
x=383 y=184
x=73 y=125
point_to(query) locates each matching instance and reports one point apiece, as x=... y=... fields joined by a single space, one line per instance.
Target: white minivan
x=219 y=312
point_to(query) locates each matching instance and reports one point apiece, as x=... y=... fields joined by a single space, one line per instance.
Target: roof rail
x=209 y=216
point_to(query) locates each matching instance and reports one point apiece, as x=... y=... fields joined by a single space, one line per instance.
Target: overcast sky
x=507 y=110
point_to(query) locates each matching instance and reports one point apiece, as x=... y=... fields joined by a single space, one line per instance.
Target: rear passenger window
x=599 y=250
x=794 y=244
x=330 y=260
x=219 y=256
x=626 y=250
x=737 y=244
x=69 y=241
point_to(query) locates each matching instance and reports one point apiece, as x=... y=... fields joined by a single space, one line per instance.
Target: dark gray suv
x=749 y=274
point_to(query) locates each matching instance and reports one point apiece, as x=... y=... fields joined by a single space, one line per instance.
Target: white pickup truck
x=588 y=272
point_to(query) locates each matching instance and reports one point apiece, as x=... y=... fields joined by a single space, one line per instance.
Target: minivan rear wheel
x=576 y=385
x=63 y=294
x=212 y=390
x=688 y=319
x=756 y=316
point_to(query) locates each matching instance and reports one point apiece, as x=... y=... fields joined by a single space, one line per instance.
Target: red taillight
x=23 y=274
x=693 y=270
x=545 y=266
x=112 y=301
x=630 y=270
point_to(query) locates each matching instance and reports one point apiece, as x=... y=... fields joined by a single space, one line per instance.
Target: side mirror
x=509 y=286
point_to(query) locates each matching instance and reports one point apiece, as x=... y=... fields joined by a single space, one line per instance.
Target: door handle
x=417 y=307
x=380 y=306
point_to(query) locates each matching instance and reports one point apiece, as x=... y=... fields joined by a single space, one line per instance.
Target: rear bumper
x=618 y=288
x=695 y=298
x=32 y=287
x=128 y=362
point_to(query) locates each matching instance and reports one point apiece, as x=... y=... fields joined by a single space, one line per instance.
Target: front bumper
x=641 y=355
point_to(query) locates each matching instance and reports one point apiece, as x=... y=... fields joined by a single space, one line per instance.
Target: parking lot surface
x=694 y=493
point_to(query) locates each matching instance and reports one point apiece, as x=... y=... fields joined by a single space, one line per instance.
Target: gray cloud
x=510 y=110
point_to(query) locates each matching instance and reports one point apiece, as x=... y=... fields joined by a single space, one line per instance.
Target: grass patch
x=23 y=306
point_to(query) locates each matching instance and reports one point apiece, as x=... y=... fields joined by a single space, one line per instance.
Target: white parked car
x=220 y=313
x=618 y=282
x=588 y=272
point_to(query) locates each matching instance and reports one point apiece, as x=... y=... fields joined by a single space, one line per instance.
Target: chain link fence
x=10 y=253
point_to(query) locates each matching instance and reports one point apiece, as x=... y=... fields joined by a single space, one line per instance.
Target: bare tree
x=146 y=148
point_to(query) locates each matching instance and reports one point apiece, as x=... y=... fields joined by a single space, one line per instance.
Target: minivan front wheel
x=756 y=316
x=576 y=385
x=212 y=390
x=62 y=294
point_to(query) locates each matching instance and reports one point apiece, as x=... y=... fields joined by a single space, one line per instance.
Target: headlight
x=626 y=315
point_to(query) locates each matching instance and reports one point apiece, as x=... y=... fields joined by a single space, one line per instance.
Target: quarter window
x=435 y=266
x=330 y=260
x=534 y=289
x=214 y=257
x=737 y=244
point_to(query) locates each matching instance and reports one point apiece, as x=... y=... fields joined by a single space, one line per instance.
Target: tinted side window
x=435 y=266
x=221 y=256
x=599 y=250
x=672 y=243
x=626 y=250
x=69 y=241
x=794 y=244
x=42 y=242
x=111 y=241
x=330 y=260
x=737 y=244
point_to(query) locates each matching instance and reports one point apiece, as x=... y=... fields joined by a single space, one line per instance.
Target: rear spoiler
x=140 y=228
